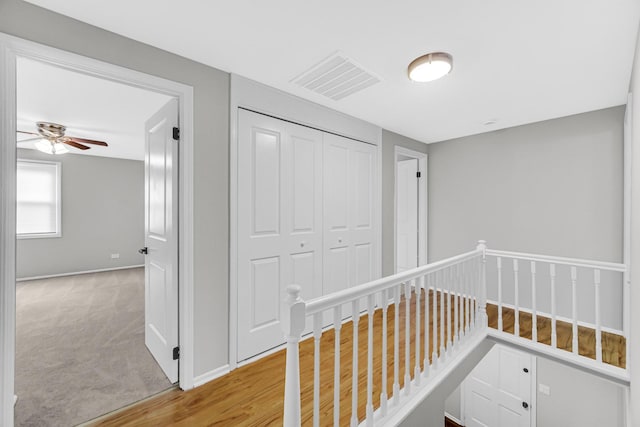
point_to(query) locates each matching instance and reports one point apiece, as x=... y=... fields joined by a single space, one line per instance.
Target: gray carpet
x=80 y=349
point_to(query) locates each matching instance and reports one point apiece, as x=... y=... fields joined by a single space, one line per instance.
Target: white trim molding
x=423 y=164
x=12 y=47
x=211 y=375
x=75 y=273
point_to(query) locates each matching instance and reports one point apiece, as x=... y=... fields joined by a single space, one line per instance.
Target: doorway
x=13 y=50
x=499 y=390
x=410 y=209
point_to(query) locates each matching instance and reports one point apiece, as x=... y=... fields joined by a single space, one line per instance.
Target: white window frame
x=58 y=232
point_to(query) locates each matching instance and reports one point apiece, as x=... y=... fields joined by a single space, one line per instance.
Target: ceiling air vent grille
x=336 y=77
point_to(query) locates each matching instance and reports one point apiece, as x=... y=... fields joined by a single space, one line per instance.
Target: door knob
x=143 y=251
x=525 y=405
x=526 y=371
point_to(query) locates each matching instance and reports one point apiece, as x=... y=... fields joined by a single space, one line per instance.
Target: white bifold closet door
x=305 y=217
x=349 y=231
x=279 y=224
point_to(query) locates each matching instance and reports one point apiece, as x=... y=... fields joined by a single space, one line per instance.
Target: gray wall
x=634 y=359
x=102 y=213
x=211 y=171
x=389 y=142
x=553 y=187
x=577 y=398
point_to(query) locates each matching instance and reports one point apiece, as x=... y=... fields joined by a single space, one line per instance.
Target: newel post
x=292 y=321
x=484 y=319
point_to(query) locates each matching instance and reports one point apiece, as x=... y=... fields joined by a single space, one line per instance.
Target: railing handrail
x=325 y=302
x=576 y=262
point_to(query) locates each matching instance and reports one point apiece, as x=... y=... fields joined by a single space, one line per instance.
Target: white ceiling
x=514 y=62
x=89 y=107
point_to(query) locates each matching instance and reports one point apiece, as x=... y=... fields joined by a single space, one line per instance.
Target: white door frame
x=10 y=48
x=422 y=203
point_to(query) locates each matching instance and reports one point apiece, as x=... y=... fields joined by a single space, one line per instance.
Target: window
x=38 y=199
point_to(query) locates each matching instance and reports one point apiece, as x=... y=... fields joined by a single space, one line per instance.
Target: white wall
x=211 y=147
x=102 y=213
x=576 y=398
x=553 y=187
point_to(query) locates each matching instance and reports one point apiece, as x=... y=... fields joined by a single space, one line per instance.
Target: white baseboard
x=100 y=270
x=211 y=375
x=452 y=418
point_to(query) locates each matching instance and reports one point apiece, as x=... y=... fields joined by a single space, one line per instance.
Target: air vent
x=336 y=77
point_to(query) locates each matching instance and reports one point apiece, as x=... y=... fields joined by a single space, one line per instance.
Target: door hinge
x=418 y=174
x=176 y=353
x=176 y=133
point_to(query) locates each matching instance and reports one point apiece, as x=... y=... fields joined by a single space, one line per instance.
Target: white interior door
x=498 y=390
x=161 y=238
x=279 y=224
x=406 y=215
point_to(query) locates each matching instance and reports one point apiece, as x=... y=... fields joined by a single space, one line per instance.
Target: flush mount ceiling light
x=430 y=67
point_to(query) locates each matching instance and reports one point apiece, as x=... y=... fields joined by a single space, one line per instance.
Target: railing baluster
x=574 y=309
x=499 y=264
x=516 y=327
x=337 y=325
x=442 y=318
x=383 y=394
x=434 y=354
x=407 y=338
x=427 y=331
x=354 y=375
x=467 y=300
x=554 y=334
x=463 y=300
x=456 y=286
x=483 y=318
x=534 y=312
x=396 y=346
x=474 y=293
x=317 y=334
x=596 y=281
x=370 y=309
x=293 y=321
x=449 y=331
x=418 y=291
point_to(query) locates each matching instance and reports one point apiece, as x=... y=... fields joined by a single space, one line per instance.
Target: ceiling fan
x=52 y=139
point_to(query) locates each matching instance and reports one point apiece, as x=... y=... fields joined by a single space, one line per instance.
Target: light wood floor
x=253 y=394
x=613 y=346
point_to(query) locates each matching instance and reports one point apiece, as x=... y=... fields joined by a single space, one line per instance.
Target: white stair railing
x=431 y=289
x=451 y=297
x=580 y=293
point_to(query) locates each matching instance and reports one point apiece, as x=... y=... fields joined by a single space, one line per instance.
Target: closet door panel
x=265 y=185
x=303 y=216
x=279 y=226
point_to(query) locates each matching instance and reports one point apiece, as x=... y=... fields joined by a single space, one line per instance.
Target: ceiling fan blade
x=87 y=141
x=74 y=144
x=29 y=133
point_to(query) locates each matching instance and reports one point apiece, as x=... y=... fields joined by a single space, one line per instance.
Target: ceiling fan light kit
x=51 y=147
x=52 y=139
x=431 y=66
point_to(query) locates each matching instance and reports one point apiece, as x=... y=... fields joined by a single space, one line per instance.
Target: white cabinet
x=305 y=216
